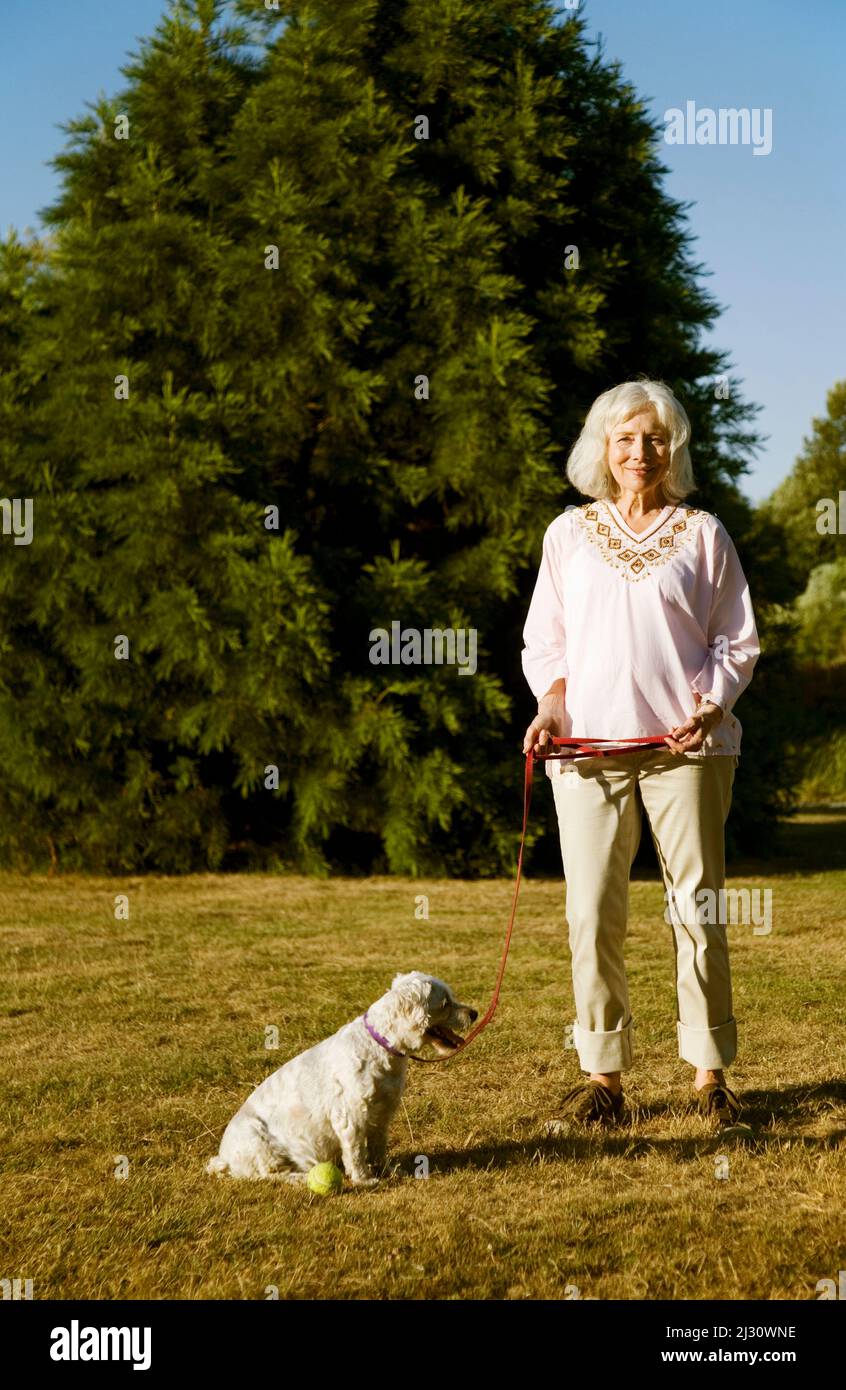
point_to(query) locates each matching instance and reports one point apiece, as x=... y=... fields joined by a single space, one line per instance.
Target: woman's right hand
x=549 y=720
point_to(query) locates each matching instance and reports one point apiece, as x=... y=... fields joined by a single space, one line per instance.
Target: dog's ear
x=413 y=990
x=408 y=1005
x=407 y=984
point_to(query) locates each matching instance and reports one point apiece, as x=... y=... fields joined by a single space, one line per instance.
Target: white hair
x=587 y=465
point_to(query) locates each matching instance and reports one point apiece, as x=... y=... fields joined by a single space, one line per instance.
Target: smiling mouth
x=442 y=1038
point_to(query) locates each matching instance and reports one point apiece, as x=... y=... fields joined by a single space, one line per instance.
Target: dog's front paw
x=364 y=1182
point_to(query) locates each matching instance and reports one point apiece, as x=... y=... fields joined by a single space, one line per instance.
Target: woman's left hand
x=690 y=736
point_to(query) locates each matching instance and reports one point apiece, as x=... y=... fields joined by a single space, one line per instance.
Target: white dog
x=334 y=1103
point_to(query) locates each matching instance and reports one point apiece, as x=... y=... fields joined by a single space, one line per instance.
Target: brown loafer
x=592 y=1103
x=719 y=1104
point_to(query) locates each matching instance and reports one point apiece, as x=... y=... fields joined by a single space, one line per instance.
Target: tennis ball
x=325 y=1178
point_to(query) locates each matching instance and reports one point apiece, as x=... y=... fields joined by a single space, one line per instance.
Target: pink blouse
x=637 y=623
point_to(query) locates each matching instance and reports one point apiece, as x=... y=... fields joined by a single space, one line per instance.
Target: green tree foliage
x=274 y=260
x=818 y=474
x=821 y=609
x=803 y=516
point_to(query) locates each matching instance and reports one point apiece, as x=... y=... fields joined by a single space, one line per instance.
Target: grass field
x=136 y=1040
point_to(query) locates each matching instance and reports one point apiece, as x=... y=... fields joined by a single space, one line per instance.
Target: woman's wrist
x=711 y=711
x=709 y=699
x=551 y=709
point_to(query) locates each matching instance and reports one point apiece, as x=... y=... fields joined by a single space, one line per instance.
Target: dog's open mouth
x=442 y=1038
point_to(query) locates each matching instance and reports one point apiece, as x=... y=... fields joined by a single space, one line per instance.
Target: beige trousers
x=599 y=802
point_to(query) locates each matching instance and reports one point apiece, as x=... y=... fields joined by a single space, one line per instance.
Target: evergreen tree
x=371 y=277
x=819 y=473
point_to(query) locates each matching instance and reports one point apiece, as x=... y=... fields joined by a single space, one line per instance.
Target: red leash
x=581 y=748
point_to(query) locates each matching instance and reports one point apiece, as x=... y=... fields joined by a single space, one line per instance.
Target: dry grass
x=141 y=1037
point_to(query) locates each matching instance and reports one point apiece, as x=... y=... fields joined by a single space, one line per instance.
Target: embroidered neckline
x=666 y=512
x=638 y=556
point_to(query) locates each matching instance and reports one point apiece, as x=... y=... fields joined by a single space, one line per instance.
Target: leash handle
x=581 y=749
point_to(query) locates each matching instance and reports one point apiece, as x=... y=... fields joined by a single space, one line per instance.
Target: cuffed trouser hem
x=709 y=1048
x=604 y=1052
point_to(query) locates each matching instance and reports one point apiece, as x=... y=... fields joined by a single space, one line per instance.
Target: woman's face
x=638 y=453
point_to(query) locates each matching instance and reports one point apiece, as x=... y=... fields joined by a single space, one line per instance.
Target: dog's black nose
x=473 y=1015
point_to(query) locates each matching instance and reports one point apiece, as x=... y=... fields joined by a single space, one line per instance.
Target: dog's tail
x=217 y=1165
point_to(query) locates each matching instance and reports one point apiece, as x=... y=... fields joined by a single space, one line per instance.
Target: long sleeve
x=544 y=652
x=732 y=634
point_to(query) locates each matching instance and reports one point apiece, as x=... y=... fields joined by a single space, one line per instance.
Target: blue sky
x=770 y=229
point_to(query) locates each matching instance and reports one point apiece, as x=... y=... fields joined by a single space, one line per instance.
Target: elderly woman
x=641 y=623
